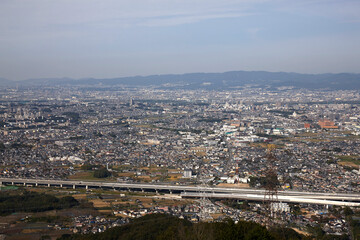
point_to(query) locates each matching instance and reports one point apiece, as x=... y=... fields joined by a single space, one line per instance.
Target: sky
x=116 y=38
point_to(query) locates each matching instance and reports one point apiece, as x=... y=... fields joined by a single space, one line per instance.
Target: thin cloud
x=183 y=19
x=38 y=14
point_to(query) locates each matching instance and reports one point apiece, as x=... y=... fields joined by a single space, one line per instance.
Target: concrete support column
x=142 y=190
x=12 y=183
x=157 y=192
x=74 y=186
x=170 y=191
x=61 y=185
x=87 y=187
x=36 y=184
x=24 y=183
x=48 y=184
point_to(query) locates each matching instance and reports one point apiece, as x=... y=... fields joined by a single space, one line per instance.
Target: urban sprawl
x=185 y=137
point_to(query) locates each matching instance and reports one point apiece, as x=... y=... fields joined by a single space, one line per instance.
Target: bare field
x=82 y=176
x=79 y=196
x=105 y=211
x=99 y=203
x=216 y=215
x=301 y=232
x=349 y=164
x=237 y=185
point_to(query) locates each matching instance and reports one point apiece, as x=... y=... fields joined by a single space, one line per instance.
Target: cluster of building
x=195 y=135
x=216 y=135
x=206 y=210
x=94 y=224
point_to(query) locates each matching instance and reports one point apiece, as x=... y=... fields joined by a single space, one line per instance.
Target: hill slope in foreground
x=160 y=226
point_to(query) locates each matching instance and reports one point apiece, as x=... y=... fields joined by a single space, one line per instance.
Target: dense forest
x=33 y=202
x=161 y=227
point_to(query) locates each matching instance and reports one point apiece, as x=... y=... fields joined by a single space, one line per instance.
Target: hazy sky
x=113 y=38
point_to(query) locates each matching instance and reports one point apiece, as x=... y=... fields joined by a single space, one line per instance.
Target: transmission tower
x=271 y=185
x=204 y=202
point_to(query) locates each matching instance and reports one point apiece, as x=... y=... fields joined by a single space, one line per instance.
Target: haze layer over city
x=179 y=120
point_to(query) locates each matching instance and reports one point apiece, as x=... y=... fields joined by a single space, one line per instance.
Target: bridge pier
x=142 y=190
x=61 y=185
x=12 y=183
x=157 y=192
x=87 y=187
x=36 y=184
x=48 y=184
x=24 y=183
x=170 y=191
x=74 y=186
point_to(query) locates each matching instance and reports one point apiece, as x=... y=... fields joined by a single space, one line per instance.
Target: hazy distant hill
x=227 y=80
x=6 y=83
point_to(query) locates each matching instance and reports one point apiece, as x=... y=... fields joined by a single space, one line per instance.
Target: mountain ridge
x=226 y=80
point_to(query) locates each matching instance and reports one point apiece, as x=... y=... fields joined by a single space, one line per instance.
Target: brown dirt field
x=124 y=203
x=13 y=217
x=171 y=175
x=147 y=205
x=229 y=185
x=76 y=212
x=144 y=177
x=301 y=232
x=98 y=203
x=54 y=234
x=349 y=164
x=170 y=202
x=82 y=175
x=106 y=211
x=79 y=196
x=125 y=174
x=216 y=215
x=121 y=215
x=88 y=176
x=32 y=231
x=200 y=154
x=146 y=201
x=174 y=176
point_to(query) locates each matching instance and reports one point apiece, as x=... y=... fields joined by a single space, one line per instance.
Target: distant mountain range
x=226 y=81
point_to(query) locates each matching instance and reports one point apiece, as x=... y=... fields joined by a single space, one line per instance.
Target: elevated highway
x=194 y=191
x=259 y=197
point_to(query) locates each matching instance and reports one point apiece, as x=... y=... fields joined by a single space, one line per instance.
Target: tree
x=348 y=211
x=102 y=173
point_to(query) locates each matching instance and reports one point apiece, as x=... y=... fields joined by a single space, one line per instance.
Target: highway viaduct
x=349 y=199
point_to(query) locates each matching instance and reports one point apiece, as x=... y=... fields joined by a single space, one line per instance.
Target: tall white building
x=187 y=173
